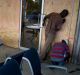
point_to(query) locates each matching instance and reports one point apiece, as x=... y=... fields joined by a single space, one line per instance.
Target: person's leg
x=46 y=48
x=54 y=63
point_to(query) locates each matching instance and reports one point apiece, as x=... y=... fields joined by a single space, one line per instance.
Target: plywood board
x=9 y=22
x=69 y=27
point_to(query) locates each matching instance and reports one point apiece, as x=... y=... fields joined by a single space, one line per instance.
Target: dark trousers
x=58 y=63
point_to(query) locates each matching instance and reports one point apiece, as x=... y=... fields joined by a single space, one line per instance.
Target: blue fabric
x=1 y=64
x=57 y=60
x=18 y=57
x=10 y=68
x=33 y=57
x=58 y=63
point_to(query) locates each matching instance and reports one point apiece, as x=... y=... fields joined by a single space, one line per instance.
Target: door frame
x=22 y=48
x=41 y=21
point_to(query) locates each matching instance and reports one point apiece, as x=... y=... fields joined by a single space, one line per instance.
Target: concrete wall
x=9 y=22
x=69 y=27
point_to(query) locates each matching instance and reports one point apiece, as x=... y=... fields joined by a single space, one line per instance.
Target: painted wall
x=68 y=29
x=9 y=22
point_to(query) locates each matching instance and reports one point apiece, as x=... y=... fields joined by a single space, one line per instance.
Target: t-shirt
x=58 y=51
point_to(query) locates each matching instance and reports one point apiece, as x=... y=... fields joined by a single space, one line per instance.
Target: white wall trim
x=20 y=22
x=41 y=22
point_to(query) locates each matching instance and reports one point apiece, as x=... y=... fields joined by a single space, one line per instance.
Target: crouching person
x=58 y=52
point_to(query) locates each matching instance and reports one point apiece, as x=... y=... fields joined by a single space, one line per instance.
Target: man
x=54 y=24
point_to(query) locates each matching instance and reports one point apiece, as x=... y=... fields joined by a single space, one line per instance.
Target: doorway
x=31 y=24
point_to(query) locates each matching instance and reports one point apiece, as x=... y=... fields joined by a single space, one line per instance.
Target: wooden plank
x=9 y=22
x=68 y=30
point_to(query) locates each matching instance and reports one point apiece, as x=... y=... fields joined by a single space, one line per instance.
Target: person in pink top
x=58 y=52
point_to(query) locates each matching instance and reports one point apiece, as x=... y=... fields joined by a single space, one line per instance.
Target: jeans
x=58 y=63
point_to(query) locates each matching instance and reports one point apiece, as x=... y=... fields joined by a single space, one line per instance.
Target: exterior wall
x=68 y=29
x=9 y=22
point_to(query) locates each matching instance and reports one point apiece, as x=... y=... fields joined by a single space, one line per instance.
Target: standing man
x=53 y=25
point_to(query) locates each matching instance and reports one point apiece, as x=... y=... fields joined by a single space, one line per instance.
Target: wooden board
x=69 y=27
x=9 y=22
